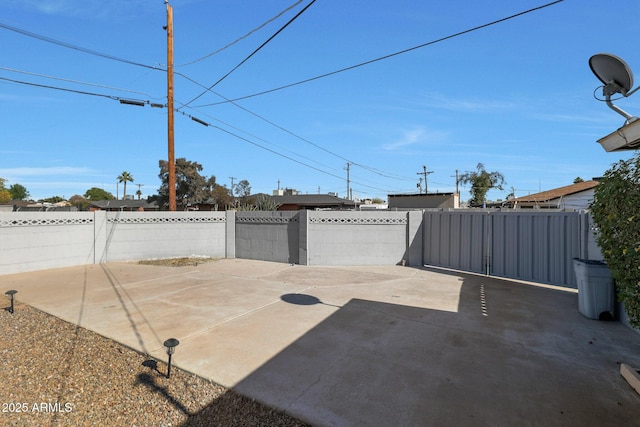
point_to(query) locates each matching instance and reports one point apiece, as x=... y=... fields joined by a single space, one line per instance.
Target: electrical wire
x=61 y=89
x=204 y=123
x=242 y=37
x=370 y=169
x=78 y=82
x=107 y=56
x=78 y=48
x=81 y=92
x=255 y=51
x=256 y=137
x=391 y=55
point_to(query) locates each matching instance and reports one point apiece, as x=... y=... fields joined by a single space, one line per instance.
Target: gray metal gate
x=536 y=246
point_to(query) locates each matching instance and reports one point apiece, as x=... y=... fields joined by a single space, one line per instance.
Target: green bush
x=616 y=213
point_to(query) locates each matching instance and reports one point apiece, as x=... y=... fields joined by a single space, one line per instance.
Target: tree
x=78 y=201
x=52 y=199
x=615 y=213
x=5 y=196
x=221 y=197
x=94 y=194
x=124 y=177
x=578 y=180
x=18 y=192
x=191 y=187
x=243 y=188
x=481 y=182
x=260 y=202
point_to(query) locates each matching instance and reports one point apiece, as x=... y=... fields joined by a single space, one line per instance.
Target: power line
x=77 y=82
x=60 y=88
x=244 y=36
x=78 y=48
x=204 y=123
x=391 y=55
x=257 y=137
x=255 y=51
x=370 y=169
x=139 y=102
x=146 y=102
x=82 y=92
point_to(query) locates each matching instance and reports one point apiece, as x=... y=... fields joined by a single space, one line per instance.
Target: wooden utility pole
x=171 y=162
x=457 y=182
x=348 y=181
x=425 y=172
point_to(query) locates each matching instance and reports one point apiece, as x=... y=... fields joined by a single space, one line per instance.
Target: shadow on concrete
x=304 y=299
x=510 y=354
x=129 y=307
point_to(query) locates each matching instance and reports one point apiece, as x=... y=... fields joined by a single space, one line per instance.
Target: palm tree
x=124 y=177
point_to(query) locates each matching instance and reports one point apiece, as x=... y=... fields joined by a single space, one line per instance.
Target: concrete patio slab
x=361 y=345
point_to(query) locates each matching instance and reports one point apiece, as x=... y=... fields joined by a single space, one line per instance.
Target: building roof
x=310 y=201
x=420 y=195
x=124 y=204
x=556 y=193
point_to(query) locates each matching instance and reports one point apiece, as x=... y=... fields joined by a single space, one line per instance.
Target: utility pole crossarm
x=424 y=173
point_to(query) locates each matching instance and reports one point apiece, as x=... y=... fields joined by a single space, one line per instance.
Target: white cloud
x=417 y=135
x=467 y=105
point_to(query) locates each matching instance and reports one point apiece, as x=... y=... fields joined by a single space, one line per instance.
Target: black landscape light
x=10 y=294
x=171 y=345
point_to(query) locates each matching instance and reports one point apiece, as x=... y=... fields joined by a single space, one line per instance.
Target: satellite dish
x=613 y=72
x=617 y=78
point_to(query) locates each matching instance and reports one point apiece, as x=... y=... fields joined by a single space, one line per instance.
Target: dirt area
x=178 y=262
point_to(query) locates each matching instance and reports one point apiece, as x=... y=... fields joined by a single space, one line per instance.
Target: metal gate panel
x=535 y=246
x=527 y=245
x=455 y=240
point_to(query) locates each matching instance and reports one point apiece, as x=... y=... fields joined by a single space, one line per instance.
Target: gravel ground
x=54 y=373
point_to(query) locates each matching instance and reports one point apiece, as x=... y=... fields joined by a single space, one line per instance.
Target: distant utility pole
x=139 y=190
x=348 y=180
x=171 y=161
x=425 y=172
x=232 y=178
x=457 y=181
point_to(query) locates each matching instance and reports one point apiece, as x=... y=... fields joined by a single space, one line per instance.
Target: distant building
x=424 y=201
x=30 y=206
x=291 y=200
x=575 y=197
x=312 y=201
x=123 y=205
x=368 y=205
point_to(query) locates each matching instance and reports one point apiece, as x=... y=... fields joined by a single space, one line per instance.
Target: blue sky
x=516 y=96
